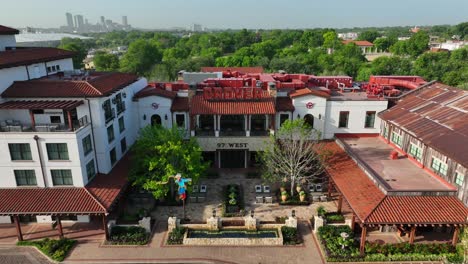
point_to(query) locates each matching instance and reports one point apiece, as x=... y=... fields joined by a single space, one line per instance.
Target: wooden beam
x=59 y=225
x=362 y=246
x=33 y=120
x=104 y=225
x=330 y=187
x=340 y=203
x=353 y=220
x=412 y=234
x=456 y=233
x=70 y=122
x=18 y=228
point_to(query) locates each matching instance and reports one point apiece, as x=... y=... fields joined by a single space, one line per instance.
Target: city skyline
x=261 y=14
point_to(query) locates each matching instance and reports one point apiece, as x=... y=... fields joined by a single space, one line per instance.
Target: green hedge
x=290 y=236
x=176 y=237
x=232 y=192
x=55 y=249
x=128 y=235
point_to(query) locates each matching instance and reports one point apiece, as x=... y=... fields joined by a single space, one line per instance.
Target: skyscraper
x=79 y=21
x=69 y=20
x=103 y=21
x=124 y=21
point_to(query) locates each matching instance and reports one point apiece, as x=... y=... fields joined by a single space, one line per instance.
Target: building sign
x=310 y=105
x=155 y=106
x=232 y=145
x=232 y=93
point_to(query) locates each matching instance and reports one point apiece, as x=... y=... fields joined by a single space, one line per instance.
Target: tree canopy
x=105 y=61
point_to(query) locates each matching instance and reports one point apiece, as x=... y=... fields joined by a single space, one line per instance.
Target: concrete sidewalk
x=158 y=252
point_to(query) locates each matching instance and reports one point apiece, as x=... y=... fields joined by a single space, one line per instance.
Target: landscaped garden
x=233 y=203
x=343 y=248
x=176 y=237
x=128 y=235
x=55 y=249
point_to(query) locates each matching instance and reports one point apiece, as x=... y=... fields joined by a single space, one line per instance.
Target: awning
x=42 y=104
x=262 y=106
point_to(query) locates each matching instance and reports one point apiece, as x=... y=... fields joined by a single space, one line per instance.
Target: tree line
x=161 y=55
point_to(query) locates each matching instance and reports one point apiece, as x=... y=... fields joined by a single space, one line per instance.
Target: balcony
x=109 y=115
x=120 y=107
x=17 y=126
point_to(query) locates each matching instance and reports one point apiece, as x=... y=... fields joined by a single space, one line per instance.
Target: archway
x=156 y=120
x=309 y=119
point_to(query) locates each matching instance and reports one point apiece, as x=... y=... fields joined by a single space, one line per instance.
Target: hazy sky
x=238 y=13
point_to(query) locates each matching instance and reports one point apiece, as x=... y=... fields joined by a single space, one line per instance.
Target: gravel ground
x=21 y=255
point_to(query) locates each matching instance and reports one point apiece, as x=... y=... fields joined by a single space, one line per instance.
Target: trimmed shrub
x=129 y=235
x=176 y=237
x=290 y=235
x=55 y=249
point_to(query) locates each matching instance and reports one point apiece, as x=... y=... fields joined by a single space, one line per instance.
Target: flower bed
x=128 y=235
x=290 y=236
x=233 y=204
x=332 y=242
x=55 y=249
x=176 y=237
x=333 y=218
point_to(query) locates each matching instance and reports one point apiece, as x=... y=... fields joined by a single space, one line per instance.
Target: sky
x=252 y=14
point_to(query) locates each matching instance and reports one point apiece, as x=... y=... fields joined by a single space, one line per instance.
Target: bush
x=55 y=249
x=129 y=235
x=321 y=211
x=290 y=235
x=233 y=203
x=176 y=237
x=334 y=218
x=330 y=237
x=280 y=219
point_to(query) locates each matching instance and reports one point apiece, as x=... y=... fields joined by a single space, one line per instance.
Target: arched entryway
x=156 y=120
x=309 y=119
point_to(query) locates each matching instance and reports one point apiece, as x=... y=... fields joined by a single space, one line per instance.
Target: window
x=120 y=105
x=57 y=151
x=54 y=68
x=57 y=67
x=309 y=119
x=397 y=138
x=90 y=170
x=123 y=145
x=459 y=178
x=415 y=151
x=110 y=133
x=283 y=118
x=61 y=177
x=87 y=145
x=370 y=119
x=344 y=118
x=438 y=166
x=55 y=119
x=49 y=69
x=180 y=120
x=121 y=124
x=20 y=151
x=25 y=177
x=113 y=156
x=109 y=114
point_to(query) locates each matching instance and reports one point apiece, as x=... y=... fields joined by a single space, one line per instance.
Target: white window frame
x=439 y=170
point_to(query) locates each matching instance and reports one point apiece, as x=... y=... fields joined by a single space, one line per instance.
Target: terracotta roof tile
x=200 y=106
x=41 y=104
x=307 y=91
x=102 y=84
x=152 y=91
x=284 y=104
x=180 y=104
x=358 y=42
x=27 y=56
x=57 y=200
x=233 y=69
x=8 y=30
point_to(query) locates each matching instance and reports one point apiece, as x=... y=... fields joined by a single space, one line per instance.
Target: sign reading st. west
x=232 y=93
x=232 y=145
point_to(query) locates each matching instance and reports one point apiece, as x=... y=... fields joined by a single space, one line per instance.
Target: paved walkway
x=158 y=252
x=21 y=255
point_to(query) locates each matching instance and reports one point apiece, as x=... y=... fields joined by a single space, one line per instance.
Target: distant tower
x=124 y=21
x=69 y=20
x=79 y=22
x=103 y=21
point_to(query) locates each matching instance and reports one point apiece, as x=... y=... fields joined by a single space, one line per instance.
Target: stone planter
x=302 y=198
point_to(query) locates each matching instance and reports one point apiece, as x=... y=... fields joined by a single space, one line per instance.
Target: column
x=412 y=234
x=18 y=228
x=248 y=125
x=456 y=233
x=70 y=123
x=353 y=221
x=363 y=240
x=33 y=120
x=104 y=225
x=59 y=225
x=340 y=203
x=330 y=187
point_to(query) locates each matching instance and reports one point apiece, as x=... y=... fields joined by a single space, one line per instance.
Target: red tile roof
x=180 y=104
x=17 y=201
x=307 y=91
x=107 y=188
x=233 y=69
x=66 y=105
x=102 y=84
x=436 y=114
x=200 y=106
x=28 y=56
x=284 y=104
x=8 y=30
x=358 y=42
x=372 y=206
x=153 y=91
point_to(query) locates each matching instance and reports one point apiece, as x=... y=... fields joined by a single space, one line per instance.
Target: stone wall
x=234 y=241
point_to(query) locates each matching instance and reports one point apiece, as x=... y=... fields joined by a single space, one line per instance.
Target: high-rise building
x=79 y=21
x=124 y=21
x=69 y=20
x=103 y=21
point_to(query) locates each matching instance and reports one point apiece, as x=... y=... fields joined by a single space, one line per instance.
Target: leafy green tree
x=369 y=35
x=312 y=39
x=292 y=155
x=384 y=43
x=330 y=40
x=78 y=46
x=418 y=44
x=399 y=47
x=140 y=57
x=432 y=65
x=160 y=153
x=393 y=65
x=105 y=61
x=462 y=30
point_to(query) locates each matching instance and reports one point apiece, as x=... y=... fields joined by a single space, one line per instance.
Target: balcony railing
x=232 y=133
x=109 y=115
x=16 y=126
x=120 y=107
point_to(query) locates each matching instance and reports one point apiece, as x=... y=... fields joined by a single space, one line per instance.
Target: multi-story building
x=69 y=21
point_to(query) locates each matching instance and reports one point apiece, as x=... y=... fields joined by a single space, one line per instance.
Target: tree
x=330 y=40
x=78 y=47
x=418 y=44
x=105 y=61
x=293 y=154
x=160 y=153
x=140 y=57
x=369 y=35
